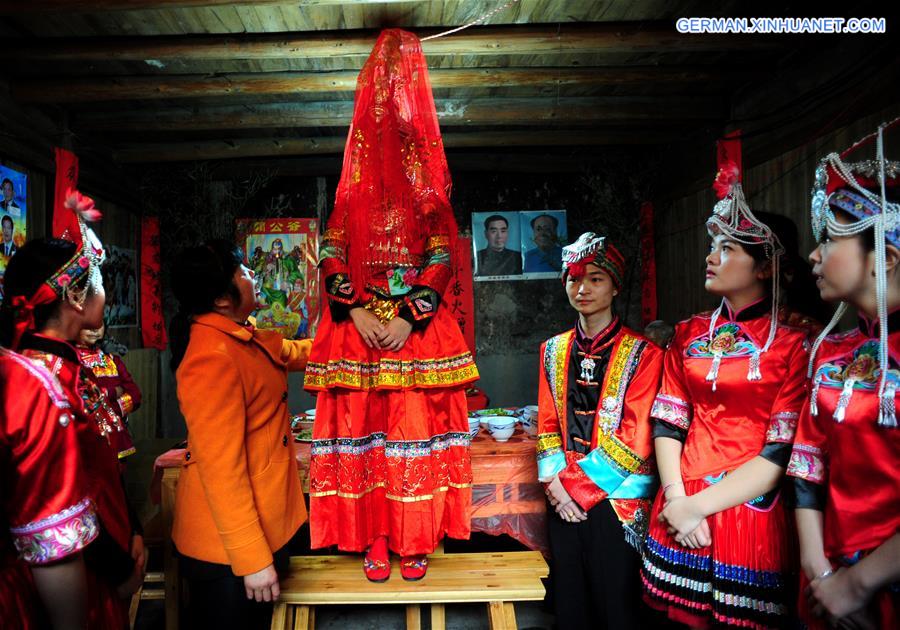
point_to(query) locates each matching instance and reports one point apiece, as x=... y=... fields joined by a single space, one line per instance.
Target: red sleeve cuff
x=332 y=266
x=436 y=277
x=580 y=487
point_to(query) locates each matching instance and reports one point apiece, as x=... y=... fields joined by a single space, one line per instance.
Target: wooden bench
x=497 y=579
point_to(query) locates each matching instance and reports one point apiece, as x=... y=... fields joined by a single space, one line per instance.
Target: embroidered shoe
x=413 y=568
x=377 y=562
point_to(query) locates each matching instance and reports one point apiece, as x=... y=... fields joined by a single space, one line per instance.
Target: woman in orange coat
x=238 y=501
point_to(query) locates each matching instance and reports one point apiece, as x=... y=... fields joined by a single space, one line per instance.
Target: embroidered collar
x=761 y=307
x=50 y=345
x=870 y=328
x=589 y=344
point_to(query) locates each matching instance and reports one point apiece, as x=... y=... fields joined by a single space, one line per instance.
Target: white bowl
x=530 y=429
x=310 y=412
x=474 y=426
x=501 y=434
x=499 y=421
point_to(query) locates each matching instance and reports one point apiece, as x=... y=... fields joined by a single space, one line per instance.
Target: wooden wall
x=780 y=185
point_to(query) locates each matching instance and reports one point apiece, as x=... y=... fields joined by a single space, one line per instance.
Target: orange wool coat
x=239 y=497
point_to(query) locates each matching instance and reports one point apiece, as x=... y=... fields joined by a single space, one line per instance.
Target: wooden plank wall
x=780 y=185
x=143 y=365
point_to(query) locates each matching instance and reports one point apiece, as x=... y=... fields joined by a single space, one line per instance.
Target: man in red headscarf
x=597 y=384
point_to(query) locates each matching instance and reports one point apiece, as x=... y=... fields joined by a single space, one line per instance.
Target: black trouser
x=595 y=573
x=216 y=597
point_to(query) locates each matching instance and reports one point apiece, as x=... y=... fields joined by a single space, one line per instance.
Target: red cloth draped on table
x=153 y=329
x=390 y=443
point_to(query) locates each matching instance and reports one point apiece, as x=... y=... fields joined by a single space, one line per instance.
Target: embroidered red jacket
x=849 y=469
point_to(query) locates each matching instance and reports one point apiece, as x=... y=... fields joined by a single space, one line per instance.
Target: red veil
x=394 y=190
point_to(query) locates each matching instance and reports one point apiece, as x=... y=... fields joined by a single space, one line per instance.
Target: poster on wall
x=120 y=281
x=543 y=234
x=497 y=247
x=283 y=254
x=14 y=188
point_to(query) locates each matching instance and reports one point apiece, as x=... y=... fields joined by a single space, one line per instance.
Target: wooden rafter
x=93 y=6
x=504 y=40
x=276 y=83
x=451 y=112
x=263 y=147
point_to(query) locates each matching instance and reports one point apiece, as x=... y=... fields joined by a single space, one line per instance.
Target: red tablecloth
x=506 y=495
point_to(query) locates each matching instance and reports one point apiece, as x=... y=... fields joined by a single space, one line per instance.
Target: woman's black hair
x=798 y=285
x=32 y=265
x=201 y=274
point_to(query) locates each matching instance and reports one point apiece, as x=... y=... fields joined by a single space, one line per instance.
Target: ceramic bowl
x=474 y=426
x=528 y=411
x=310 y=412
x=501 y=434
x=501 y=427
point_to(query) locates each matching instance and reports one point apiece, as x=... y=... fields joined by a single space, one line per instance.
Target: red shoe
x=377 y=562
x=413 y=568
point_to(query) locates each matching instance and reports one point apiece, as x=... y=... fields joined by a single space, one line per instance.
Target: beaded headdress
x=593 y=249
x=849 y=187
x=733 y=218
x=74 y=278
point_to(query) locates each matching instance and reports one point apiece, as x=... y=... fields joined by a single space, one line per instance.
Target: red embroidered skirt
x=745 y=578
x=390 y=452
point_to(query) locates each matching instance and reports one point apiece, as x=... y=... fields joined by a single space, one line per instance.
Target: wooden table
x=506 y=498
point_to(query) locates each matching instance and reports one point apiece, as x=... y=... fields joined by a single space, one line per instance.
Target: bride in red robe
x=390 y=462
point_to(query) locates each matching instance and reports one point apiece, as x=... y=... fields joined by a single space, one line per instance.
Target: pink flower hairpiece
x=83 y=205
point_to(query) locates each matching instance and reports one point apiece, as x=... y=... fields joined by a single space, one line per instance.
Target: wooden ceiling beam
x=615 y=37
x=95 y=6
x=266 y=147
x=451 y=112
x=87 y=90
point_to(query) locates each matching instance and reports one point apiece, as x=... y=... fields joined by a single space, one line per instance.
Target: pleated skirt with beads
x=745 y=578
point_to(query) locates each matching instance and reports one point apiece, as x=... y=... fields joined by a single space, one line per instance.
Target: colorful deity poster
x=283 y=254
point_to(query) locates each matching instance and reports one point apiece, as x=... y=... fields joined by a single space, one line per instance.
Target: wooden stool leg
x=280 y=617
x=170 y=561
x=438 y=617
x=502 y=616
x=304 y=618
x=413 y=617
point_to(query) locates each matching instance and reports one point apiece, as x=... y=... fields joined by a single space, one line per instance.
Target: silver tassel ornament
x=753 y=373
x=887 y=416
x=814 y=397
x=844 y=400
x=713 y=373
